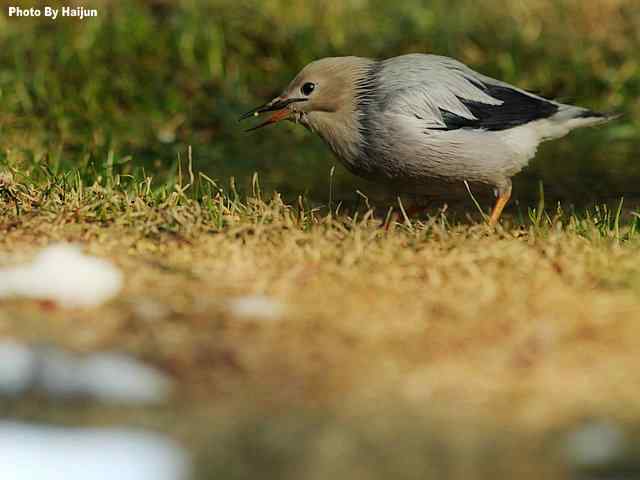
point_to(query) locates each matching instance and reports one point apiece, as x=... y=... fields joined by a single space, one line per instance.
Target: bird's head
x=324 y=88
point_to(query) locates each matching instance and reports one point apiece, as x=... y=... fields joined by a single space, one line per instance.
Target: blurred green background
x=132 y=88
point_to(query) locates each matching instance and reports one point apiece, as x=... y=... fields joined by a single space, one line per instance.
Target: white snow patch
x=257 y=306
x=31 y=452
x=106 y=377
x=17 y=366
x=58 y=373
x=595 y=444
x=63 y=274
x=114 y=377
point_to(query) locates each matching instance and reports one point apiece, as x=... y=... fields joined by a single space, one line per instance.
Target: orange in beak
x=274 y=118
x=278 y=106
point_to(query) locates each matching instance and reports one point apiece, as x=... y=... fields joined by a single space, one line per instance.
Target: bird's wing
x=448 y=95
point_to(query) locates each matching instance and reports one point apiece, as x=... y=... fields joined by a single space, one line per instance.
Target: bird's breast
x=342 y=134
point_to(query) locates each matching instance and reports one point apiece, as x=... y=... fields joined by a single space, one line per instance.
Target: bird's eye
x=308 y=88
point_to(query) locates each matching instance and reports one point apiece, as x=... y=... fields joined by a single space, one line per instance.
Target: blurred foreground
x=301 y=341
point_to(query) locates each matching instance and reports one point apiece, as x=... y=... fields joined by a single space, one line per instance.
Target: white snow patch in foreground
x=256 y=306
x=31 y=452
x=596 y=444
x=17 y=366
x=106 y=377
x=114 y=377
x=63 y=274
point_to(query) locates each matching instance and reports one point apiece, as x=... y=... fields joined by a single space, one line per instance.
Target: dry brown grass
x=528 y=328
x=505 y=313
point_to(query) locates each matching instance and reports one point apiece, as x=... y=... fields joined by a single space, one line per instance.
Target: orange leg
x=413 y=210
x=503 y=199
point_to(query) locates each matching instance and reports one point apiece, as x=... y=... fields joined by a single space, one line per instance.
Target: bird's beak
x=278 y=106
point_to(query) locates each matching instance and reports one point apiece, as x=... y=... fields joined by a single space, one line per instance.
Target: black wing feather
x=517 y=109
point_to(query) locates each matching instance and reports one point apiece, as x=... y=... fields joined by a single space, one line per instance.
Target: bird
x=420 y=118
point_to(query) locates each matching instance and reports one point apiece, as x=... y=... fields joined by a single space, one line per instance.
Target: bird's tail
x=569 y=117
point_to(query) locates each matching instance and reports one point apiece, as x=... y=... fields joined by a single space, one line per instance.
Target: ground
x=528 y=328
x=314 y=337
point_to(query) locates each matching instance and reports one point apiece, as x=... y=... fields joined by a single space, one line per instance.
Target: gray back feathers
x=425 y=85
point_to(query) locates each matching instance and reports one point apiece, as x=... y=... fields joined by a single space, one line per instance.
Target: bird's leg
x=405 y=213
x=414 y=210
x=504 y=194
